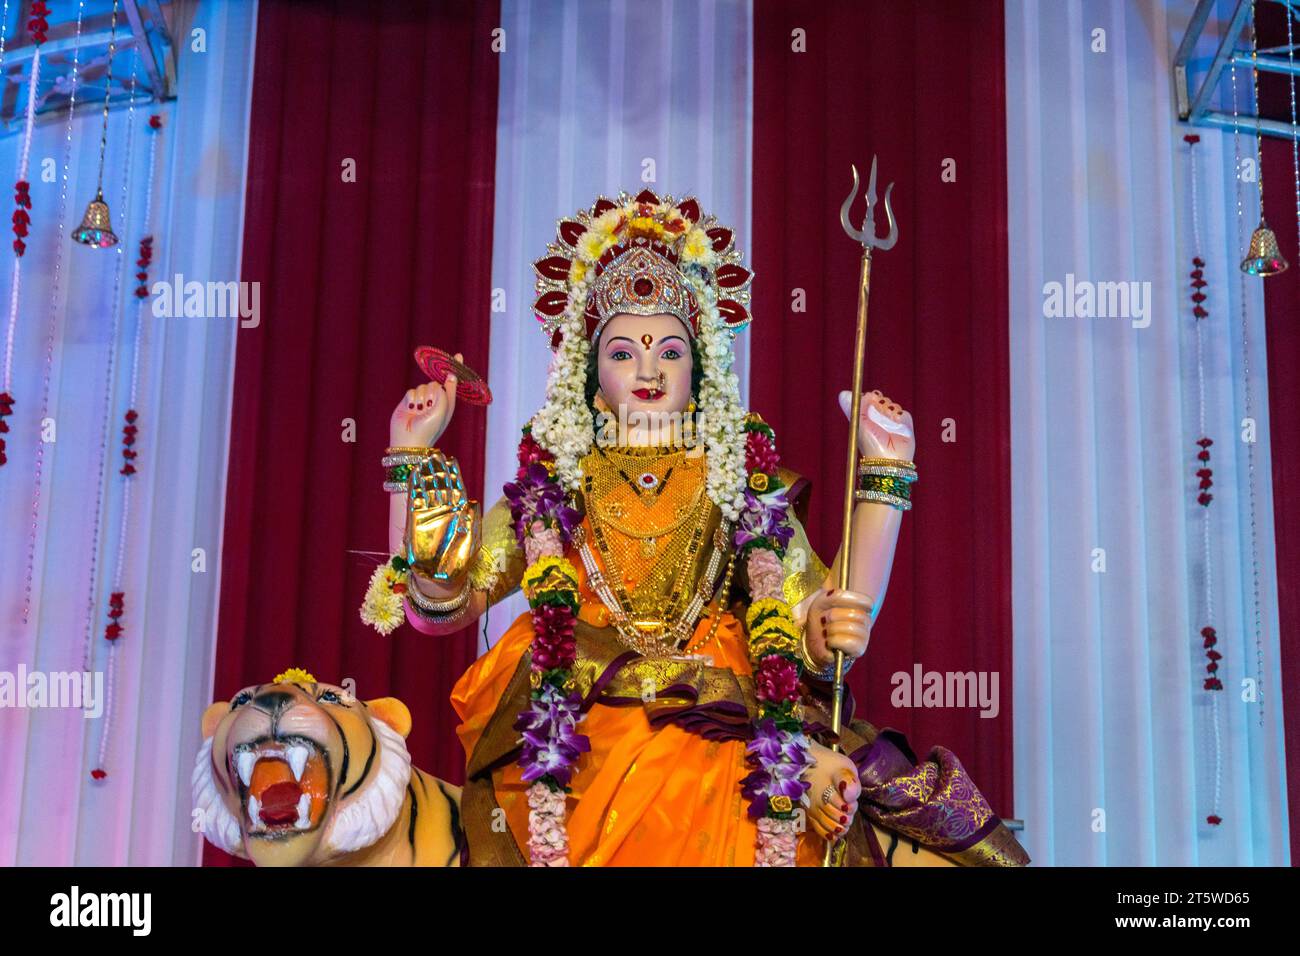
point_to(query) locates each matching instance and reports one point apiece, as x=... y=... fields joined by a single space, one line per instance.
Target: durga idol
x=665 y=701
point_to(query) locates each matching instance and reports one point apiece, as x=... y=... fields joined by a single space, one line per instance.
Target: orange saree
x=644 y=795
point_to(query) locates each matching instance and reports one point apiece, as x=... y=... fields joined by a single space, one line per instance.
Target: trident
x=834 y=855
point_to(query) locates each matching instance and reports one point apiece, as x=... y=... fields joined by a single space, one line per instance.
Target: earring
x=690 y=409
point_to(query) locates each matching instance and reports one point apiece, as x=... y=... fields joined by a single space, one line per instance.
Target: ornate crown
x=632 y=255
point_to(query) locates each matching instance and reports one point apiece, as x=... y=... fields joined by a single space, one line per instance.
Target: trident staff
x=867 y=237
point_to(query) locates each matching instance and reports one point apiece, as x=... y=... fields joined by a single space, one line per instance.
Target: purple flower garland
x=551 y=745
x=779 y=753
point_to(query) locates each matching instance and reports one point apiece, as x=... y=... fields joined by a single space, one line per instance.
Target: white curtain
x=1115 y=742
x=596 y=97
x=51 y=813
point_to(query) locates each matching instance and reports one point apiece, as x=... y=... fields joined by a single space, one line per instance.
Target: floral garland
x=551 y=745
x=779 y=753
x=1204 y=473
x=383 y=607
x=22 y=220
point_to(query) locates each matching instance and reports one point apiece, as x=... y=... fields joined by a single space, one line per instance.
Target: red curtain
x=920 y=86
x=1282 y=335
x=354 y=275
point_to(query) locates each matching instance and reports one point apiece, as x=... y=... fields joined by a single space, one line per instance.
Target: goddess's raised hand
x=884 y=427
x=423 y=414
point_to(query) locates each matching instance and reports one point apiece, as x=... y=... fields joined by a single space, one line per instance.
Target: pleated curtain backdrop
x=51 y=812
x=1115 y=740
x=919 y=86
x=594 y=98
x=354 y=276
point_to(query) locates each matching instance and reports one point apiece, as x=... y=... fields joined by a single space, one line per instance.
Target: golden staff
x=834 y=854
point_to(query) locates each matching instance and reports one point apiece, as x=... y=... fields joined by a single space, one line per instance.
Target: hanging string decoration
x=115 y=629
x=110 y=379
x=1203 y=473
x=1248 y=396
x=37 y=25
x=96 y=229
x=56 y=282
x=1295 y=126
x=22 y=221
x=1263 y=257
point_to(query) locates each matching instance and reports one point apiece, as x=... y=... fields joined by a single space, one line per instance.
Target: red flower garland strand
x=146 y=257
x=1213 y=657
x=1204 y=473
x=6 y=409
x=116 y=603
x=22 y=219
x=129 y=454
x=116 y=608
x=37 y=25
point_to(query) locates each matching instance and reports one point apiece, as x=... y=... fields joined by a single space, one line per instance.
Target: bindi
x=647 y=340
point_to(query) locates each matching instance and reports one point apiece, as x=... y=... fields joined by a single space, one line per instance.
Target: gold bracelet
x=426 y=603
x=810 y=667
x=891 y=462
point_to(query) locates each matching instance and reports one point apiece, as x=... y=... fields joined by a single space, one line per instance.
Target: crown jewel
x=640 y=282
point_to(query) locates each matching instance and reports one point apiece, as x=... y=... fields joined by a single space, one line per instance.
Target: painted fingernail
x=843 y=784
x=410 y=404
x=843 y=819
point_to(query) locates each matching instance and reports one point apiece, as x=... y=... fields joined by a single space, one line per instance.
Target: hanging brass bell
x=96 y=227
x=1263 y=258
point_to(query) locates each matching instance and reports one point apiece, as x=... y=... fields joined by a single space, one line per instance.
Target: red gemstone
x=643 y=286
x=98 y=774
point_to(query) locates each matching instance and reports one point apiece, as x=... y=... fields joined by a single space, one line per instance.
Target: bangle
x=425 y=603
x=403 y=458
x=436 y=618
x=880 y=497
x=907 y=475
x=810 y=667
x=885 y=489
x=864 y=462
x=395 y=478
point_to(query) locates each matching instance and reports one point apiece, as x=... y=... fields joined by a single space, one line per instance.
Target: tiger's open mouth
x=283 y=785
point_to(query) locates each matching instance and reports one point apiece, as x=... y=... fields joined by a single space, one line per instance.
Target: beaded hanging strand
x=1204 y=476
x=1248 y=396
x=21 y=221
x=109 y=384
x=55 y=287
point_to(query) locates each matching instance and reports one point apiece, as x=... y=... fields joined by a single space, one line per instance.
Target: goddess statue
x=666 y=698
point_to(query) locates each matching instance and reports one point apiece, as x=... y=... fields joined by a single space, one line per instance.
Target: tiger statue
x=299 y=773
